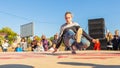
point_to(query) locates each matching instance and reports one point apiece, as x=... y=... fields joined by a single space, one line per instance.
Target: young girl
x=40 y=47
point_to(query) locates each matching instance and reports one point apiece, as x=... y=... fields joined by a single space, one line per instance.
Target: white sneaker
x=79 y=35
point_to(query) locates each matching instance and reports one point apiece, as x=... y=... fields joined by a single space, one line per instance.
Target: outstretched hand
x=95 y=40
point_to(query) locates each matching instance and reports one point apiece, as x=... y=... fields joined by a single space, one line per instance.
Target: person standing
x=109 y=38
x=115 y=40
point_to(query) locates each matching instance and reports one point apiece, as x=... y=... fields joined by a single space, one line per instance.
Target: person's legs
x=84 y=43
x=69 y=40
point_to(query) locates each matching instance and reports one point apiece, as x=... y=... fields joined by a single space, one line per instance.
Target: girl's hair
x=68 y=13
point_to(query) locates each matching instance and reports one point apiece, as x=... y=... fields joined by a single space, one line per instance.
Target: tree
x=51 y=38
x=1 y=40
x=11 y=35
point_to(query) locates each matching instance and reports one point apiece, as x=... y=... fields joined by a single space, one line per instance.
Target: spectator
x=115 y=40
x=34 y=43
x=109 y=38
x=14 y=45
x=45 y=42
x=23 y=44
x=54 y=42
x=40 y=47
x=19 y=48
x=5 y=45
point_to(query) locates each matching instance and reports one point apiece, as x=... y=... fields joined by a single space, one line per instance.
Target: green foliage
x=8 y=31
x=38 y=38
x=1 y=39
x=51 y=38
x=11 y=35
x=29 y=40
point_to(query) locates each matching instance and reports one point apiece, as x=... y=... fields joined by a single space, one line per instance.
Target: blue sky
x=48 y=15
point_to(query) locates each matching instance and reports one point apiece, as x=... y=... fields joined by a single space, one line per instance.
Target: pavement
x=61 y=59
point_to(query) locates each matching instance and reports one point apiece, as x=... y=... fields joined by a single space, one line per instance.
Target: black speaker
x=96 y=28
x=103 y=43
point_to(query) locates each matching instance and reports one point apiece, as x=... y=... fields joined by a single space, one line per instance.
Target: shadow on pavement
x=89 y=64
x=15 y=66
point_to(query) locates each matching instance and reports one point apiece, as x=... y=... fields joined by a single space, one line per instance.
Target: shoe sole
x=78 y=35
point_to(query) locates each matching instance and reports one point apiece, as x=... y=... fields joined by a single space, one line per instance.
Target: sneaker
x=78 y=35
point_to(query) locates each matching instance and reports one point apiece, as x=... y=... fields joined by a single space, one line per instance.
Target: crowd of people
x=36 y=45
x=113 y=41
x=71 y=34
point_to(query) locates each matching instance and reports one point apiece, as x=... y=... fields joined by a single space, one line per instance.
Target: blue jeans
x=69 y=40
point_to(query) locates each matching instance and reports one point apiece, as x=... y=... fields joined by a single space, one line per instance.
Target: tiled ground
x=61 y=59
